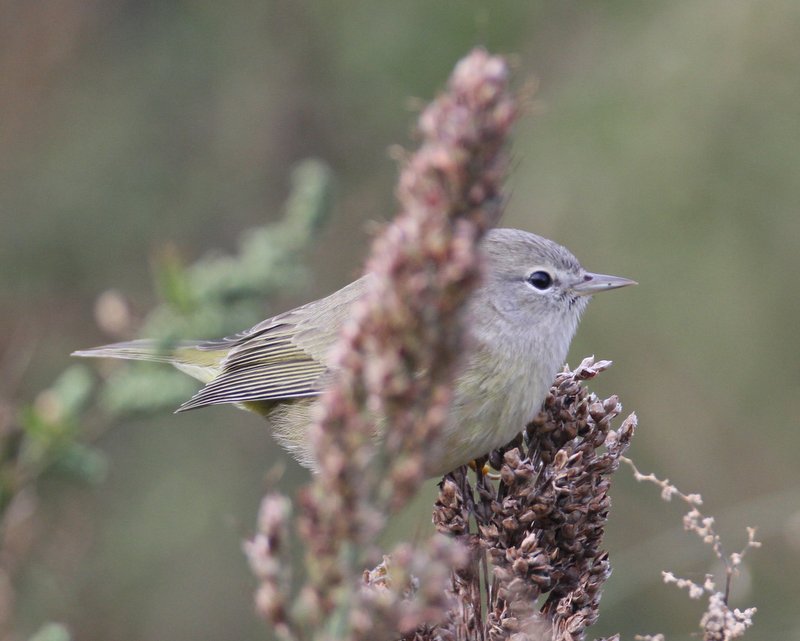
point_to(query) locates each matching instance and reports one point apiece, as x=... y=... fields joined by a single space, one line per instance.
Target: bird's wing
x=280 y=358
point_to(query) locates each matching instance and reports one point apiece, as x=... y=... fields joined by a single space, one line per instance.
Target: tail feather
x=185 y=355
x=138 y=350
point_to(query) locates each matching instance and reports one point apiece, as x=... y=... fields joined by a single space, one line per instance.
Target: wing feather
x=282 y=357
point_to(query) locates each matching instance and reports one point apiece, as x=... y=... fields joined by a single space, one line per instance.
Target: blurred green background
x=664 y=145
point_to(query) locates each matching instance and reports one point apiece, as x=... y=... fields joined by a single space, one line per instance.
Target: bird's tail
x=202 y=364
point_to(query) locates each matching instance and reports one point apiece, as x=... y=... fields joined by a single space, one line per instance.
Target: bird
x=518 y=325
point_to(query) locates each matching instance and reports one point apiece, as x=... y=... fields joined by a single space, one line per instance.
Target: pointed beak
x=594 y=283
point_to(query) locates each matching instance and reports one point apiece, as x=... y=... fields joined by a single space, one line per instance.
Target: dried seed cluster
x=541 y=526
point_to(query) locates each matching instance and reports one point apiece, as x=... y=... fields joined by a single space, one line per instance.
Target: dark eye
x=541 y=280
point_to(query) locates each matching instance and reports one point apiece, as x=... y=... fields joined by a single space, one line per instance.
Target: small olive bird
x=518 y=324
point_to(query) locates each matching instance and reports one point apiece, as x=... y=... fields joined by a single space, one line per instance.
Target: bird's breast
x=496 y=395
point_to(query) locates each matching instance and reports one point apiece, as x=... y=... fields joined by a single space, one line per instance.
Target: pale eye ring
x=540 y=280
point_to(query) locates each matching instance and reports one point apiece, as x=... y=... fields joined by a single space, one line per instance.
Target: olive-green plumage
x=519 y=324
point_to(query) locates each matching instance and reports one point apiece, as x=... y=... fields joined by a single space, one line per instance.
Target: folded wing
x=283 y=357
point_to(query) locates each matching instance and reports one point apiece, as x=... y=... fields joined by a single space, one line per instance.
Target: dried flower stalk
x=719 y=622
x=390 y=365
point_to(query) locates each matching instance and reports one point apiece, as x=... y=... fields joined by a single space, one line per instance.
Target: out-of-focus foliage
x=220 y=295
x=664 y=149
x=216 y=295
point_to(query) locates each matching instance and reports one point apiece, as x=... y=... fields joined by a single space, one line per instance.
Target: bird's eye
x=541 y=280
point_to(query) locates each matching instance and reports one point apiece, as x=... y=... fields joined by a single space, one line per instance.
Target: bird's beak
x=594 y=283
